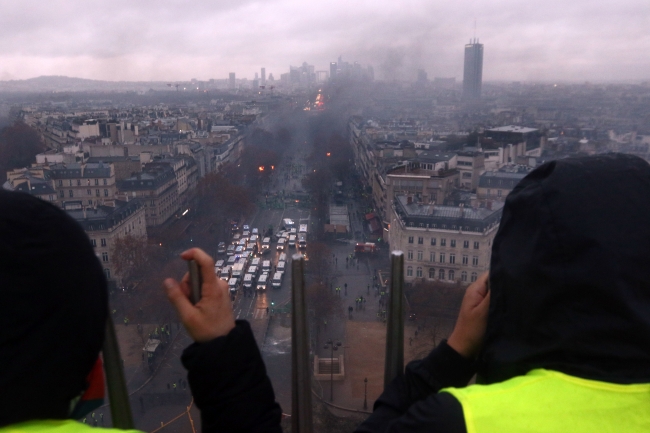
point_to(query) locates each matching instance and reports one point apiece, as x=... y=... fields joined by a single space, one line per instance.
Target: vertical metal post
x=117 y=392
x=394 y=364
x=301 y=420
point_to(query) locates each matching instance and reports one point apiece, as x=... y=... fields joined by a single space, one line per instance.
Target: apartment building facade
x=445 y=243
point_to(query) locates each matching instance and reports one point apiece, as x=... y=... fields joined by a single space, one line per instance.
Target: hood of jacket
x=53 y=309
x=570 y=273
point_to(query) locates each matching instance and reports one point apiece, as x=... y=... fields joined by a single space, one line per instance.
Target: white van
x=226 y=273
x=276 y=282
x=282 y=266
x=287 y=223
x=281 y=243
x=263 y=282
x=231 y=260
x=248 y=281
x=282 y=258
x=292 y=241
x=252 y=270
x=219 y=263
x=303 y=228
x=233 y=283
x=266 y=243
x=256 y=262
x=302 y=241
x=266 y=266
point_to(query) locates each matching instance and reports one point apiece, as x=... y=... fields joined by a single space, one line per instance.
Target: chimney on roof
x=409 y=199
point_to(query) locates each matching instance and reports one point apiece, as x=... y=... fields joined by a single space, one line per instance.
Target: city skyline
x=164 y=41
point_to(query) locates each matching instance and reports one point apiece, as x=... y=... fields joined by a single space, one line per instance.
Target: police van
x=263 y=282
x=292 y=240
x=282 y=266
x=248 y=281
x=266 y=266
x=233 y=284
x=281 y=243
x=276 y=282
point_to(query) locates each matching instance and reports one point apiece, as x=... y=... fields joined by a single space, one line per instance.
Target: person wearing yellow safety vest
x=52 y=325
x=559 y=331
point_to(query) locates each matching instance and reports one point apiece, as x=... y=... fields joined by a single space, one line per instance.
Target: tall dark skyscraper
x=473 y=74
x=333 y=67
x=263 y=76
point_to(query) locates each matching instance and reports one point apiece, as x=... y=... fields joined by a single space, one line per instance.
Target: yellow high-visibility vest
x=545 y=401
x=58 y=426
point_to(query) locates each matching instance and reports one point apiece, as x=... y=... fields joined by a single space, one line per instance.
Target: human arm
x=411 y=402
x=226 y=372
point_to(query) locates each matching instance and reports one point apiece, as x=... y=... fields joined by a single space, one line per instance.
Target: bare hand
x=212 y=316
x=467 y=336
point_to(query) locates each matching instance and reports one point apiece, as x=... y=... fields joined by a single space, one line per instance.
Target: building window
x=452 y=275
x=452 y=258
x=60 y=183
x=62 y=193
x=443 y=242
x=420 y=240
x=107 y=272
x=433 y=242
x=441 y=274
x=70 y=182
x=78 y=182
x=442 y=257
x=97 y=192
x=463 y=276
x=475 y=260
x=410 y=237
x=466 y=243
x=153 y=203
x=96 y=181
x=465 y=259
x=103 y=242
x=488 y=193
x=105 y=256
x=418 y=272
x=105 y=183
x=476 y=245
x=498 y=193
x=432 y=273
x=420 y=255
x=432 y=256
x=409 y=255
x=90 y=202
x=93 y=242
x=71 y=193
x=409 y=271
x=105 y=193
x=474 y=276
x=453 y=242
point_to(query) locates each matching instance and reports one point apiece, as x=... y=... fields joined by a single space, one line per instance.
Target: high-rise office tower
x=231 y=80
x=473 y=73
x=333 y=67
x=263 y=76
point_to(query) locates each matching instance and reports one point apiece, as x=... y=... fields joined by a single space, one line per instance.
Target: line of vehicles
x=246 y=266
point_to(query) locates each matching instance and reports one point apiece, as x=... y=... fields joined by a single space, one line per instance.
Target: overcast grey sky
x=167 y=40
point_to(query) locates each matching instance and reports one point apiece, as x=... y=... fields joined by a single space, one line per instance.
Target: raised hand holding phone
x=211 y=315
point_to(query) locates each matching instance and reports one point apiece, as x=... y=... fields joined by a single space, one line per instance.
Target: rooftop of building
x=420 y=215
x=101 y=217
x=512 y=128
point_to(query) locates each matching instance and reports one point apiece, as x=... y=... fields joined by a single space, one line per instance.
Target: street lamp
x=365 y=393
x=329 y=344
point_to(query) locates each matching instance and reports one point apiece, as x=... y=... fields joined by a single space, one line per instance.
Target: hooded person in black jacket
x=565 y=345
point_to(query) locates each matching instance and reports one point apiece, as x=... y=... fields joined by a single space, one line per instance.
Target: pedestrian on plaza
x=416 y=333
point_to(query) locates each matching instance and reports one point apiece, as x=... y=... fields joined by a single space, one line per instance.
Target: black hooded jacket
x=570 y=291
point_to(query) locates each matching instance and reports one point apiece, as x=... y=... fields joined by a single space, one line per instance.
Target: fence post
x=117 y=392
x=301 y=419
x=394 y=364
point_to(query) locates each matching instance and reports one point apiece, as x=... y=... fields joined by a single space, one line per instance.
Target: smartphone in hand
x=196 y=281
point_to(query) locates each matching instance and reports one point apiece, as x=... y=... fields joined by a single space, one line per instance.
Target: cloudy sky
x=167 y=40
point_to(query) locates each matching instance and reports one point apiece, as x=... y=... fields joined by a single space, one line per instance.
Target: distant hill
x=58 y=83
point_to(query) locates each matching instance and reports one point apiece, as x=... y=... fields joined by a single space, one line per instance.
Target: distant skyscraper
x=333 y=67
x=263 y=76
x=231 y=80
x=473 y=73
